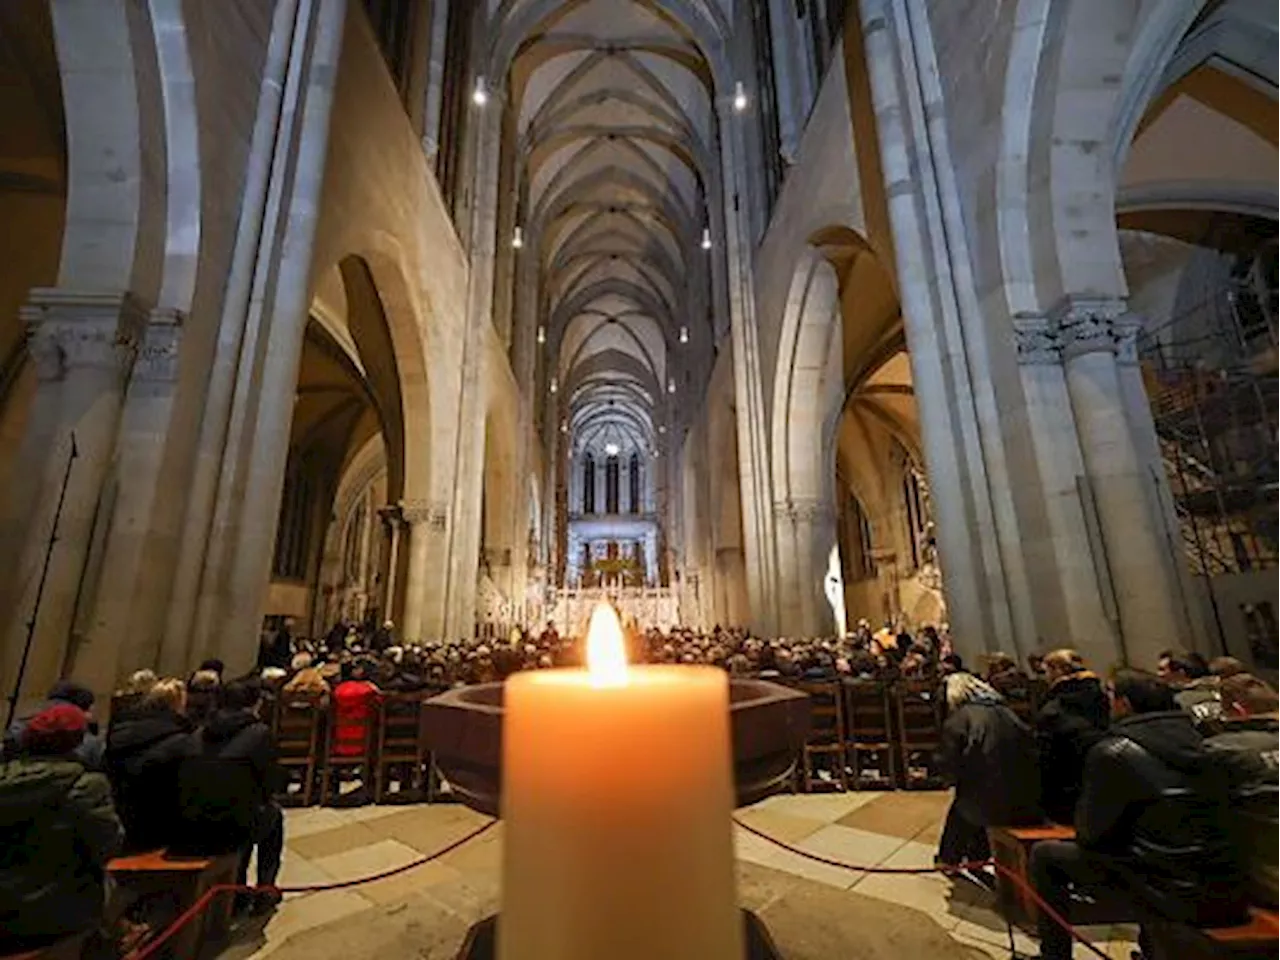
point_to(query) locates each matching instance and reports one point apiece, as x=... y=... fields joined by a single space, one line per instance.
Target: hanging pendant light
x=684 y=334
x=517 y=239
x=706 y=238
x=480 y=95
x=542 y=334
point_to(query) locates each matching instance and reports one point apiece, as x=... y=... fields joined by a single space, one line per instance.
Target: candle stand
x=463 y=729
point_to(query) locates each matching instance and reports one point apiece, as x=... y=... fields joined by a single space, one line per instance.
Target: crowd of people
x=1169 y=779
x=1144 y=765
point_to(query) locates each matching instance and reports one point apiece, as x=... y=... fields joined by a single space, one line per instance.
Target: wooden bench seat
x=179 y=882
x=1011 y=849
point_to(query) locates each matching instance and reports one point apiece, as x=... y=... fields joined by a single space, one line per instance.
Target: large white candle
x=617 y=794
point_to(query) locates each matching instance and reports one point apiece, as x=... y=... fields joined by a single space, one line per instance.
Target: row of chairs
x=872 y=734
x=390 y=739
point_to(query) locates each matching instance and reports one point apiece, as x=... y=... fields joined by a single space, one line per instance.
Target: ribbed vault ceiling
x=615 y=124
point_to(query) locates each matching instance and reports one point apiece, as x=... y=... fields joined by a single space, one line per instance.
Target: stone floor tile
x=912 y=854
x=827 y=807
x=902 y=814
x=926 y=894
x=421 y=879
x=858 y=847
x=367 y=860
x=752 y=848
x=784 y=826
x=300 y=822
x=311 y=911
x=428 y=829
x=326 y=843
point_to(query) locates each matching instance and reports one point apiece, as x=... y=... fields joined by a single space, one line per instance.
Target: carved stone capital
x=1087 y=325
x=1036 y=342
x=391 y=516
x=804 y=510
x=431 y=514
x=74 y=330
x=157 y=360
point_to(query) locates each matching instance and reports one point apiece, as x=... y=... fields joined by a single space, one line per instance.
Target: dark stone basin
x=463 y=728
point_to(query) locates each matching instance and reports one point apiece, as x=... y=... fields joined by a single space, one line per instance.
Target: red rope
x=202 y=903
x=940 y=868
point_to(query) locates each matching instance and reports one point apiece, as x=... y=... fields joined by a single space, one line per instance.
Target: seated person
x=90 y=750
x=57 y=831
x=1248 y=745
x=1075 y=715
x=1195 y=688
x=202 y=695
x=308 y=681
x=1151 y=831
x=226 y=791
x=355 y=700
x=145 y=750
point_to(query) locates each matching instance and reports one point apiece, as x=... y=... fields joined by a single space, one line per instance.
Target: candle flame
x=606 y=652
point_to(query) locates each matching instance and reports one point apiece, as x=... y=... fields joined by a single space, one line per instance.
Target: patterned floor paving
x=860 y=829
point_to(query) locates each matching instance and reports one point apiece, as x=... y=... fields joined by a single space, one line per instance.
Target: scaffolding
x=1210 y=373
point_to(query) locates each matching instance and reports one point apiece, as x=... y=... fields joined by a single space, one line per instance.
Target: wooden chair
x=297 y=724
x=868 y=741
x=180 y=882
x=826 y=733
x=400 y=742
x=363 y=760
x=918 y=712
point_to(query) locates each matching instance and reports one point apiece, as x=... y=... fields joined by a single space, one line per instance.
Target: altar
x=645 y=606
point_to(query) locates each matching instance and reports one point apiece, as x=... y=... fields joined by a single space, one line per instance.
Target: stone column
x=83 y=345
x=425 y=523
x=393 y=522
x=1095 y=335
x=806 y=533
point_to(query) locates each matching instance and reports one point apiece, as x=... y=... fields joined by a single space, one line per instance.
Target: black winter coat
x=145 y=750
x=1155 y=800
x=229 y=775
x=1075 y=716
x=990 y=754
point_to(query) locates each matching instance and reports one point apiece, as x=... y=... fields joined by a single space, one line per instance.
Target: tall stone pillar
x=806 y=534
x=393 y=522
x=1097 y=337
x=83 y=345
x=425 y=527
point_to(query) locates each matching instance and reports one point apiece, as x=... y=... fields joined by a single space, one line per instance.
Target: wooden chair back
x=918 y=711
x=400 y=740
x=297 y=724
x=868 y=718
x=826 y=734
x=363 y=757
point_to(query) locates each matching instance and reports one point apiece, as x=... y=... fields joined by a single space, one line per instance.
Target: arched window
x=588 y=484
x=612 y=478
x=634 y=492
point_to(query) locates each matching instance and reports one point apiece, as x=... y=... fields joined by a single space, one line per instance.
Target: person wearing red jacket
x=355 y=702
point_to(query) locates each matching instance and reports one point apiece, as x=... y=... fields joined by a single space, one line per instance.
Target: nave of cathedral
x=448 y=318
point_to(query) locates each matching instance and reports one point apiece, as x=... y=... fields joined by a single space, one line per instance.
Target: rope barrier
x=940 y=868
x=202 y=903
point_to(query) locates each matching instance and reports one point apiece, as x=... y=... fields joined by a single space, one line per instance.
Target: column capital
x=77 y=329
x=1036 y=341
x=1087 y=325
x=157 y=360
x=434 y=514
x=804 y=509
x=391 y=515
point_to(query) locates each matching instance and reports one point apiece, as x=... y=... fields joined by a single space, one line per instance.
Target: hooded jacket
x=1155 y=800
x=1248 y=749
x=57 y=831
x=1075 y=716
x=144 y=753
x=229 y=774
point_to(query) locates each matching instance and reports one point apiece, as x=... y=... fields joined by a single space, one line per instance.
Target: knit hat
x=67 y=691
x=54 y=731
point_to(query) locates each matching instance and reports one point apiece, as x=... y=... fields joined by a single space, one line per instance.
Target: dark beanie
x=54 y=731
x=68 y=691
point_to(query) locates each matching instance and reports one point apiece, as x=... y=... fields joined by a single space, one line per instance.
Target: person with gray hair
x=989 y=754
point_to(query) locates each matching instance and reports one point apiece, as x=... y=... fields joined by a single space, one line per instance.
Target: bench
x=1011 y=849
x=180 y=882
x=1255 y=939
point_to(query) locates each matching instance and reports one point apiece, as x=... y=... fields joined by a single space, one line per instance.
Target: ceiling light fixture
x=706 y=238
x=517 y=239
x=671 y=385
x=555 y=385
x=612 y=449
x=684 y=334
x=542 y=334
x=480 y=95
x=739 y=97
x=662 y=428
x=564 y=426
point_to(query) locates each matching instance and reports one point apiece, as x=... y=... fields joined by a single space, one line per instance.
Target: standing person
x=227 y=788
x=1075 y=716
x=990 y=755
x=1248 y=744
x=1151 y=825
x=145 y=750
x=58 y=830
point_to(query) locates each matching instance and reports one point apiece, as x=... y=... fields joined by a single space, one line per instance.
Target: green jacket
x=58 y=829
